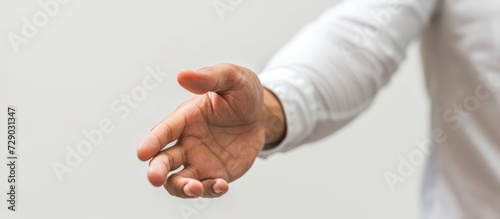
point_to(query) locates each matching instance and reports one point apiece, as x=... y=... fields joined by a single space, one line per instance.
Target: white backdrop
x=73 y=72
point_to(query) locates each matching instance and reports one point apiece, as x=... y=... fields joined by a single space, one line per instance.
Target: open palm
x=219 y=133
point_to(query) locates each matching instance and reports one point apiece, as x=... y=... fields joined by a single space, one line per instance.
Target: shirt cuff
x=297 y=100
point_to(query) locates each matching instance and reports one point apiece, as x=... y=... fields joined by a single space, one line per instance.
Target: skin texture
x=218 y=133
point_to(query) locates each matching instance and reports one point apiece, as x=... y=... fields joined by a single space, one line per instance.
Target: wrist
x=273 y=120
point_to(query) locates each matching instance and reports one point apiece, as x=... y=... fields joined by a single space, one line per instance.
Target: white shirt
x=332 y=69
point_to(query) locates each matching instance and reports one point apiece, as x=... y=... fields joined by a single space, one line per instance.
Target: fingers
x=218 y=78
x=165 y=132
x=213 y=188
x=166 y=161
x=185 y=185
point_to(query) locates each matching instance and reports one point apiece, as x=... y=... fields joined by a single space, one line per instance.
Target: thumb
x=218 y=78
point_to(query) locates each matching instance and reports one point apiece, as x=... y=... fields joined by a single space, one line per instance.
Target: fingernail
x=216 y=188
x=143 y=142
x=186 y=190
x=201 y=70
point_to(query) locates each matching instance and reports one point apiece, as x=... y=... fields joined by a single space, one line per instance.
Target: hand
x=219 y=132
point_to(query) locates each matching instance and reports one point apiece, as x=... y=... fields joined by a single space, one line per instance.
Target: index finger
x=163 y=133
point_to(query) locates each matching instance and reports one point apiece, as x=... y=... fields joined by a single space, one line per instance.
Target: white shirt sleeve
x=332 y=69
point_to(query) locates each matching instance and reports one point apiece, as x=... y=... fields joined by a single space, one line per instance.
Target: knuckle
x=228 y=66
x=169 y=161
x=156 y=138
x=168 y=129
